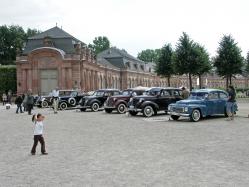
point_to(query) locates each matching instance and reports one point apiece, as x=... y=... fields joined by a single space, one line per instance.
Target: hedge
x=7 y=78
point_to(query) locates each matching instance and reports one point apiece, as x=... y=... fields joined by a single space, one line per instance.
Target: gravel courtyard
x=98 y=149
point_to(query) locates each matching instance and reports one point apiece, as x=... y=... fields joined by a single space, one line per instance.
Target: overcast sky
x=135 y=25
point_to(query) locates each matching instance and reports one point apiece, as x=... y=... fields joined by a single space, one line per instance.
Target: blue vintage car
x=201 y=103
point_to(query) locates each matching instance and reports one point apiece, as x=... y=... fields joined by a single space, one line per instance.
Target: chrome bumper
x=178 y=114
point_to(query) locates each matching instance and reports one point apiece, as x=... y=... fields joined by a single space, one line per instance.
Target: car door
x=212 y=103
x=163 y=99
x=223 y=97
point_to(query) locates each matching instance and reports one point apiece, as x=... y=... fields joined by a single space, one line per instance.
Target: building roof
x=121 y=59
x=59 y=38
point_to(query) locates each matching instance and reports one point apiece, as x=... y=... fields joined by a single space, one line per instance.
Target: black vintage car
x=96 y=101
x=156 y=99
x=120 y=102
x=71 y=99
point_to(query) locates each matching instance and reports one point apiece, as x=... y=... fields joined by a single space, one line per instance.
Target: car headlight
x=141 y=100
x=114 y=99
x=131 y=99
x=185 y=109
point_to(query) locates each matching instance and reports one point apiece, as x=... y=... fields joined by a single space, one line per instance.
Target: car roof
x=108 y=90
x=208 y=90
x=157 y=89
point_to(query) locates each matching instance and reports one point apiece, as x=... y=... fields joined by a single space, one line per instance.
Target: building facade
x=55 y=58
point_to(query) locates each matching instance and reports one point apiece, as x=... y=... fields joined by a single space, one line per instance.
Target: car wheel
x=132 y=113
x=95 y=107
x=83 y=109
x=148 y=111
x=195 y=115
x=108 y=110
x=121 y=108
x=175 y=117
x=63 y=106
x=44 y=104
x=72 y=101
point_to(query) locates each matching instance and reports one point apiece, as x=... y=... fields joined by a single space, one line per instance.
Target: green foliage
x=229 y=60
x=164 y=65
x=7 y=78
x=247 y=64
x=149 y=55
x=12 y=39
x=100 y=44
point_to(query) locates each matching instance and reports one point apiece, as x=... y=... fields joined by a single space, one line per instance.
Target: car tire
x=148 y=111
x=195 y=115
x=63 y=106
x=133 y=113
x=174 y=117
x=107 y=110
x=95 y=107
x=83 y=109
x=72 y=101
x=44 y=104
x=121 y=108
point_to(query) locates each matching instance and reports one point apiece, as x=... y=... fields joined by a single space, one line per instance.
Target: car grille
x=178 y=109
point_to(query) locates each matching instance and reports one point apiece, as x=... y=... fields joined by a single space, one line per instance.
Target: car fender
x=89 y=103
x=145 y=103
x=121 y=101
x=202 y=108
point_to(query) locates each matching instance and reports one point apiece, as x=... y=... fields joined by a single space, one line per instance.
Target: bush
x=7 y=78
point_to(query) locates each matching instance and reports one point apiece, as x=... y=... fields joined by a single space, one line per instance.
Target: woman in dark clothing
x=30 y=102
x=231 y=102
x=18 y=102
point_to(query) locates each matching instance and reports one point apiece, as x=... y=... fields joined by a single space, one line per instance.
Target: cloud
x=135 y=24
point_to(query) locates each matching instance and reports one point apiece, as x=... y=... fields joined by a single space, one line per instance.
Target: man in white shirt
x=55 y=95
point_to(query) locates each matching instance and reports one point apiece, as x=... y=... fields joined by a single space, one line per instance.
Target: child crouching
x=38 y=131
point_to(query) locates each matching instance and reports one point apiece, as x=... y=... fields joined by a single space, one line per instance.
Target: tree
x=32 y=32
x=202 y=61
x=100 y=44
x=12 y=39
x=149 y=55
x=164 y=65
x=247 y=64
x=186 y=55
x=229 y=60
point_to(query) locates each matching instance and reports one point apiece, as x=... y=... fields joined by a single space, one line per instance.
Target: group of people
x=7 y=98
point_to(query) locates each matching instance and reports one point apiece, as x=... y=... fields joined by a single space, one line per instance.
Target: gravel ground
x=98 y=149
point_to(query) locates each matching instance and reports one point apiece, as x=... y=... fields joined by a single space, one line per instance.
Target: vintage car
x=120 y=102
x=96 y=101
x=71 y=99
x=156 y=99
x=201 y=103
x=46 y=101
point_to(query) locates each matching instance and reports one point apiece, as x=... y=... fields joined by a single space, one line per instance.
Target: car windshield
x=198 y=95
x=98 y=93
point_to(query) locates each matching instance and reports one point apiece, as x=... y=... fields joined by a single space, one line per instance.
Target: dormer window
x=128 y=65
x=48 y=42
x=135 y=66
x=142 y=67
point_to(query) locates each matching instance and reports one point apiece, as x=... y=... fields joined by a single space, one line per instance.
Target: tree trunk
x=227 y=82
x=168 y=80
x=190 y=82
x=230 y=79
x=200 y=81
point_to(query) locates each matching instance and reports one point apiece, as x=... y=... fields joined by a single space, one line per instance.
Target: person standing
x=30 y=102
x=18 y=102
x=55 y=95
x=231 y=102
x=24 y=102
x=38 y=134
x=9 y=96
x=4 y=98
x=185 y=93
